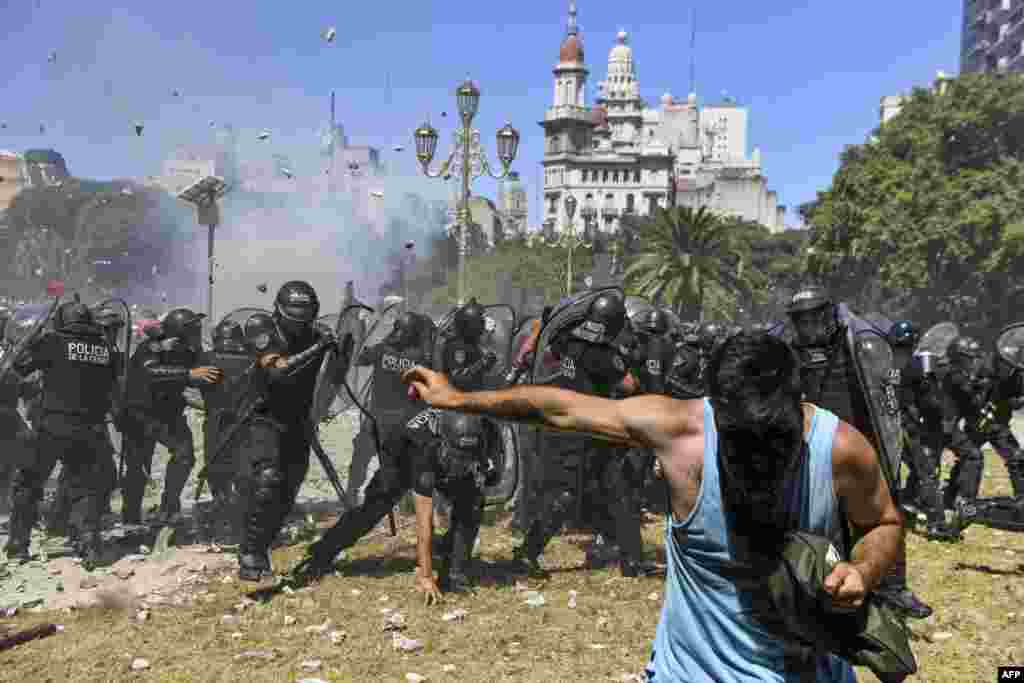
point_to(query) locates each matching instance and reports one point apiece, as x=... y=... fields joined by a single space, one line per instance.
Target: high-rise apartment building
x=992 y=36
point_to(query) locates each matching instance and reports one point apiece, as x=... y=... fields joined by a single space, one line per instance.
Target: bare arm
x=424 y=535
x=869 y=507
x=644 y=421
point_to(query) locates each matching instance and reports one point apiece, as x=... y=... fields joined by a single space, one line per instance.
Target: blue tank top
x=705 y=634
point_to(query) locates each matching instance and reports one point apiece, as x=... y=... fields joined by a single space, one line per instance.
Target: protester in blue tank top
x=742 y=467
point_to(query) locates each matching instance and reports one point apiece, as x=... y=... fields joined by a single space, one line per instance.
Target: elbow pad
x=299 y=361
x=161 y=374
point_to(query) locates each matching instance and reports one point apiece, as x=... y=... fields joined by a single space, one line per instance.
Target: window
x=583 y=176
x=636 y=176
x=630 y=203
x=552 y=205
x=615 y=177
x=604 y=176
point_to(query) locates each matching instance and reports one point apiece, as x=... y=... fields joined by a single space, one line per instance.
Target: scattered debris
x=227 y=578
x=337 y=637
x=321 y=629
x=329 y=34
x=939 y=636
x=400 y=642
x=356 y=591
x=236 y=635
x=143 y=615
x=572 y=599
x=230 y=619
x=654 y=597
x=535 y=599
x=377 y=193
x=140 y=664
x=598 y=646
x=289 y=620
x=244 y=605
x=138 y=132
x=256 y=654
x=395 y=622
x=415 y=678
x=455 y=615
x=264 y=134
x=448 y=668
x=383 y=598
x=311 y=680
x=311 y=664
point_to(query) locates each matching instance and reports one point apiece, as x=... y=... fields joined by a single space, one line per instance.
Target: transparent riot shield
x=122 y=338
x=936 y=339
x=570 y=313
x=636 y=307
x=331 y=398
x=1010 y=345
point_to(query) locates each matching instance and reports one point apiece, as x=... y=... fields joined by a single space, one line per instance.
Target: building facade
x=512 y=205
x=992 y=36
x=622 y=157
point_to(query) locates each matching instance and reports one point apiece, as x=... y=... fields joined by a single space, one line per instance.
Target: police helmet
x=462 y=432
x=297 y=301
x=406 y=330
x=72 y=313
x=228 y=336
x=109 y=317
x=177 y=323
x=710 y=334
x=608 y=310
x=809 y=298
x=965 y=347
x=903 y=333
x=470 y=321
x=653 y=322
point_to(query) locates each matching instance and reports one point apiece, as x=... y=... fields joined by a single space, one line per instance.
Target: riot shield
x=330 y=398
x=936 y=339
x=636 y=306
x=880 y=322
x=21 y=330
x=507 y=462
x=123 y=340
x=378 y=326
x=874 y=364
x=499 y=328
x=570 y=313
x=1010 y=345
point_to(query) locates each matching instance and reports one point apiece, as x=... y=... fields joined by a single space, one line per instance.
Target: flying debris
x=410 y=244
x=127 y=192
x=175 y=93
x=287 y=173
x=213 y=124
x=377 y=193
x=138 y=129
x=42 y=129
x=53 y=57
x=330 y=34
x=264 y=134
x=399 y=148
x=444 y=114
x=262 y=288
x=3 y=125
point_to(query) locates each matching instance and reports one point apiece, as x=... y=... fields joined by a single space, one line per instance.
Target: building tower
x=512 y=205
x=567 y=123
x=620 y=96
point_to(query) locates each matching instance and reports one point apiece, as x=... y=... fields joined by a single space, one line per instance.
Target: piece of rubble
x=394 y=622
x=311 y=680
x=387 y=610
x=139 y=664
x=356 y=592
x=415 y=678
x=598 y=646
x=311 y=664
x=337 y=637
x=236 y=635
x=321 y=629
x=939 y=636
x=572 y=599
x=136 y=557
x=535 y=599
x=256 y=654
x=455 y=615
x=654 y=597
x=142 y=615
x=448 y=668
x=289 y=620
x=383 y=598
x=244 y=605
x=230 y=619
x=227 y=578
x=400 y=642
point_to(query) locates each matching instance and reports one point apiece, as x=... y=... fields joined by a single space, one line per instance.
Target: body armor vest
x=81 y=375
x=390 y=394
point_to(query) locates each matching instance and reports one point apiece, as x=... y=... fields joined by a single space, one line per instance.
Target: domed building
x=623 y=157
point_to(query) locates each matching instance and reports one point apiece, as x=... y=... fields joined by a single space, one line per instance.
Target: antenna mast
x=693 y=52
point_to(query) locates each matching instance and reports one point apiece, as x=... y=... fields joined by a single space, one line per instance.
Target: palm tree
x=685 y=253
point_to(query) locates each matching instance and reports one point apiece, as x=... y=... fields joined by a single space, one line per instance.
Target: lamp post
x=570 y=240
x=203 y=194
x=470 y=158
x=406 y=262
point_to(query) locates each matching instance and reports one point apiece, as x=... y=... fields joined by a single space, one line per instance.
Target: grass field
x=976 y=587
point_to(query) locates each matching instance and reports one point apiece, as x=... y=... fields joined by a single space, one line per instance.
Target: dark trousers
x=15 y=451
x=924 y=444
x=969 y=468
x=364 y=449
x=279 y=459
x=467 y=513
x=81 y=448
x=140 y=434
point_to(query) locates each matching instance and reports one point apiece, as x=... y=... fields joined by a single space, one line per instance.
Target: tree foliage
x=926 y=220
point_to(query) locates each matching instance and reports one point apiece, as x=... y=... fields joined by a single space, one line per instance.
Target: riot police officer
x=80 y=371
x=277 y=430
x=463 y=359
x=405 y=346
x=155 y=411
x=1005 y=396
x=824 y=332
x=922 y=403
x=654 y=354
x=228 y=476
x=15 y=435
x=589 y=364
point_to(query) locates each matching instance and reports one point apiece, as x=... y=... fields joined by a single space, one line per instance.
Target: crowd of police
x=75 y=372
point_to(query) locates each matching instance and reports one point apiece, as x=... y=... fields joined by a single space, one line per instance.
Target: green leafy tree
x=924 y=220
x=694 y=259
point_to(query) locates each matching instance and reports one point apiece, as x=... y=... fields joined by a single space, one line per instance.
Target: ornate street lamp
x=469 y=157
x=570 y=240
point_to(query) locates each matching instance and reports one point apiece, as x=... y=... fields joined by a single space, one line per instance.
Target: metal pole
x=209 y=287
x=568 y=273
x=464 y=223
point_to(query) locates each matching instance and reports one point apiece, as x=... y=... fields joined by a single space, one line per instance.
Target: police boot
x=529 y=551
x=20 y=531
x=1017 y=480
x=965 y=513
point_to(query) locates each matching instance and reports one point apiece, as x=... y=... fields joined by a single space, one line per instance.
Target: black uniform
x=1006 y=395
x=15 y=436
x=389 y=401
x=154 y=413
x=80 y=372
x=417 y=457
x=228 y=476
x=575 y=466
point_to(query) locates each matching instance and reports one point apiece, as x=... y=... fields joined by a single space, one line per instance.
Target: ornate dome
x=571 y=51
x=599 y=117
x=622 y=52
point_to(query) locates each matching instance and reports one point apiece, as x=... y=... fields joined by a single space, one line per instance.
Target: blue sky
x=812 y=73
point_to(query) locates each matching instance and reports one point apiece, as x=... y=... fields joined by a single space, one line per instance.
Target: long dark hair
x=754 y=387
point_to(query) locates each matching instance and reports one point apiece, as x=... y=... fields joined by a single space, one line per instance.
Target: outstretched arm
x=644 y=421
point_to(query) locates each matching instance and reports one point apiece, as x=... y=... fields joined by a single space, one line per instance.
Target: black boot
x=254 y=566
x=23 y=518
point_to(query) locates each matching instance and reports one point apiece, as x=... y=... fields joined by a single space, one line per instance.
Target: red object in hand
x=55 y=288
x=414 y=395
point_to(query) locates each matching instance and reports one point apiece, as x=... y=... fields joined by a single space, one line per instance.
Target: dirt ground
x=191 y=621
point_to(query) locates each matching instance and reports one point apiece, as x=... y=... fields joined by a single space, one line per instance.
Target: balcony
x=572 y=113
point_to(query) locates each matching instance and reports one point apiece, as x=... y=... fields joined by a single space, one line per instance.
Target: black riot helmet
x=710 y=335
x=966 y=353
x=181 y=323
x=296 y=306
x=470 y=321
x=813 y=313
x=903 y=333
x=606 y=316
x=406 y=331
x=109 y=318
x=653 y=322
x=5 y=315
x=228 y=337
x=72 y=313
x=462 y=432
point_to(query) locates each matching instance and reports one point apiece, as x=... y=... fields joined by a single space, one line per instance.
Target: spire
x=572 y=29
x=332 y=111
